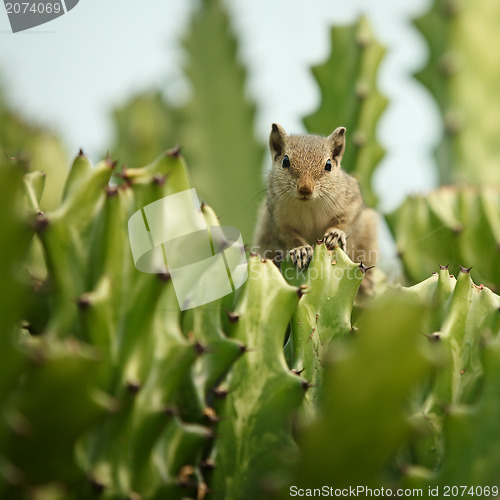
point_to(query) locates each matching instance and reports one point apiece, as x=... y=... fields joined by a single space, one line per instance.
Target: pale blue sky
x=70 y=73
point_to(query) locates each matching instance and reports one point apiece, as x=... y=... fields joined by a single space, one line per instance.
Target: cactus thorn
x=364 y=268
x=164 y=276
x=320 y=242
x=462 y=371
x=109 y=162
x=159 y=180
x=301 y=291
x=208 y=464
x=185 y=474
x=111 y=191
x=123 y=174
x=465 y=269
x=253 y=254
x=307 y=385
x=174 y=152
x=363 y=41
x=211 y=415
x=219 y=393
x=26 y=325
x=171 y=411
x=243 y=348
x=200 y=348
x=203 y=491
x=97 y=485
x=83 y=302
x=133 y=386
x=233 y=318
x=81 y=153
x=297 y=372
x=41 y=222
x=443 y=268
x=434 y=337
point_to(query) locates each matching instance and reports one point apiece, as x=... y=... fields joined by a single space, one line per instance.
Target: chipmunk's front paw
x=335 y=238
x=301 y=256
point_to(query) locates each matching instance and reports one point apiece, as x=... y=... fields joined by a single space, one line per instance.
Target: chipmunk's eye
x=328 y=166
x=286 y=162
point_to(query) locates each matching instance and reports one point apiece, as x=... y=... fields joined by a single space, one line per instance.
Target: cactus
x=323 y=316
x=352 y=100
x=452 y=225
x=463 y=317
x=363 y=420
x=462 y=75
x=254 y=435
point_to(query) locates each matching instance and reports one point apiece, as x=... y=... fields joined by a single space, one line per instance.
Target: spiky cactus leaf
x=366 y=387
x=452 y=225
x=350 y=98
x=254 y=435
x=464 y=316
x=219 y=119
x=59 y=378
x=462 y=74
x=472 y=435
x=472 y=441
x=323 y=316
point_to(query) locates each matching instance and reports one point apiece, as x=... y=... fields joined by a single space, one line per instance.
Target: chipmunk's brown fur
x=310 y=198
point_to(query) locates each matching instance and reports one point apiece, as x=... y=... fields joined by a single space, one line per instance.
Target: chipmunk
x=310 y=198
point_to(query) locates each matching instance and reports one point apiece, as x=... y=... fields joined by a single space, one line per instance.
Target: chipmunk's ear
x=277 y=140
x=337 y=142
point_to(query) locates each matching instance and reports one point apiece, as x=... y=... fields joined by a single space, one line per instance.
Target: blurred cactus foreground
x=109 y=391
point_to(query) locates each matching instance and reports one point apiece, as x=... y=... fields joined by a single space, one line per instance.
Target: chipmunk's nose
x=305 y=188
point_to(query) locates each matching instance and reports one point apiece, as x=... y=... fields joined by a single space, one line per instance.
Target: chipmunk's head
x=305 y=167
